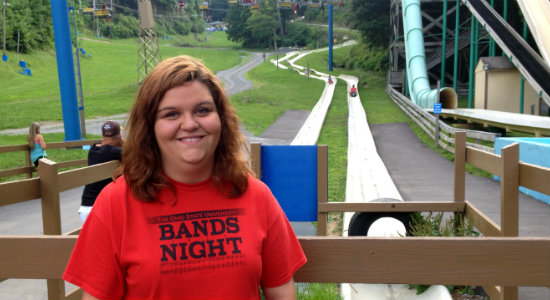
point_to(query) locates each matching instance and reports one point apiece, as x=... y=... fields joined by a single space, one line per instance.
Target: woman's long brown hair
x=33 y=131
x=141 y=159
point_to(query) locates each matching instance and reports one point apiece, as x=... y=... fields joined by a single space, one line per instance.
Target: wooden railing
x=28 y=169
x=500 y=260
x=47 y=187
x=445 y=136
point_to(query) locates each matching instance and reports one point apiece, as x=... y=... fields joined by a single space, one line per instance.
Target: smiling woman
x=187 y=220
x=188 y=132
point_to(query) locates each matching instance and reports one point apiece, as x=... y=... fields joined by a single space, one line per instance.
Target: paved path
x=421 y=174
x=233 y=79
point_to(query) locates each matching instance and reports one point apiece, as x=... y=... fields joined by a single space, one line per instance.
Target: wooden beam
x=509 y=191
x=82 y=176
x=72 y=163
x=256 y=159
x=534 y=177
x=35 y=257
x=322 y=188
x=14 y=148
x=460 y=167
x=17 y=171
x=427 y=260
x=487 y=161
x=49 y=188
x=19 y=191
x=508 y=261
x=481 y=221
x=390 y=206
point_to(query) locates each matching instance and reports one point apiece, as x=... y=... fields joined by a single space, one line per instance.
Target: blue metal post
x=444 y=43
x=330 y=37
x=457 y=38
x=471 y=72
x=65 y=69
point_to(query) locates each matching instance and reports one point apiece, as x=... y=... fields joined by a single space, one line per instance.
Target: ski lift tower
x=148 y=52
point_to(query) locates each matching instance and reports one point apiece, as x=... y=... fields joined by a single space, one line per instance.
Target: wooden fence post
x=256 y=159
x=509 y=203
x=28 y=162
x=460 y=166
x=51 y=215
x=322 y=188
x=49 y=190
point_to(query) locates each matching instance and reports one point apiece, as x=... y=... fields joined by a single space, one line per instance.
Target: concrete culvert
x=447 y=97
x=361 y=221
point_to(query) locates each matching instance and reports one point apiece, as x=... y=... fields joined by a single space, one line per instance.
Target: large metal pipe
x=417 y=75
x=65 y=69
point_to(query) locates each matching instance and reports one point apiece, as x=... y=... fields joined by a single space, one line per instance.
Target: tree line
x=29 y=25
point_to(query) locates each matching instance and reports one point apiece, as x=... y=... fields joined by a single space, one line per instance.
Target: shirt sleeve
x=94 y=265
x=282 y=254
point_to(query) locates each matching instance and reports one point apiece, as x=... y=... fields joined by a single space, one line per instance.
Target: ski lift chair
x=285 y=3
x=204 y=5
x=314 y=3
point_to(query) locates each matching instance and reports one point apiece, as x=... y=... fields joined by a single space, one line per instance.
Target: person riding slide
x=353 y=91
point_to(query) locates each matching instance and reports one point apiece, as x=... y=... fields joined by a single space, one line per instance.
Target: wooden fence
x=445 y=135
x=28 y=169
x=500 y=260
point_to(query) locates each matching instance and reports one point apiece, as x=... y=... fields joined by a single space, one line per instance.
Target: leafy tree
x=236 y=23
x=372 y=19
x=33 y=24
x=299 y=35
x=219 y=9
x=261 y=28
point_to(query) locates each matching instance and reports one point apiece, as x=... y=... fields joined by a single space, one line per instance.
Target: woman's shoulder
x=254 y=184
x=112 y=196
x=117 y=186
x=258 y=189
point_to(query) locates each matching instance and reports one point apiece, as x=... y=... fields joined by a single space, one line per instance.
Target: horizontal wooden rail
x=29 y=170
x=516 y=261
x=530 y=176
x=390 y=206
x=17 y=171
x=19 y=191
x=426 y=122
x=14 y=148
x=427 y=260
x=534 y=177
x=56 y=145
x=481 y=221
x=35 y=257
x=82 y=176
x=72 y=144
x=71 y=163
x=29 y=189
x=487 y=161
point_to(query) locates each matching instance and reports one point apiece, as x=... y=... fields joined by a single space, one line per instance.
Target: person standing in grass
x=36 y=143
x=109 y=149
x=187 y=219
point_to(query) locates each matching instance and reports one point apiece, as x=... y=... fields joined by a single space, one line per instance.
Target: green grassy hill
x=109 y=78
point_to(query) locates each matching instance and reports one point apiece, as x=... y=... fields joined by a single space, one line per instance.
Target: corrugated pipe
x=417 y=75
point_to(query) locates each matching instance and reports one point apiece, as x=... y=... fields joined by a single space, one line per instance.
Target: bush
x=363 y=57
x=299 y=35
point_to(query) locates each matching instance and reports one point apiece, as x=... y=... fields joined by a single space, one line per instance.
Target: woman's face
x=187 y=130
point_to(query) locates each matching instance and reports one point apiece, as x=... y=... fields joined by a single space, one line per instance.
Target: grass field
x=109 y=79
